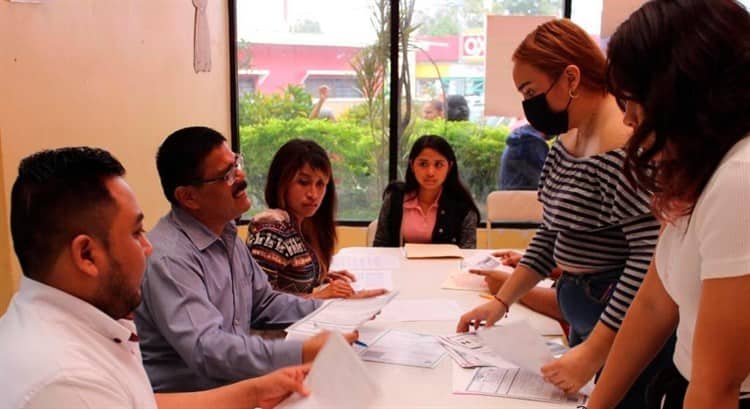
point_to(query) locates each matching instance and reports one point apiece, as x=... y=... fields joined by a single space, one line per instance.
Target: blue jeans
x=582 y=299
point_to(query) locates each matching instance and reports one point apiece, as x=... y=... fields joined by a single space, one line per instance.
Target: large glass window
x=290 y=50
x=287 y=52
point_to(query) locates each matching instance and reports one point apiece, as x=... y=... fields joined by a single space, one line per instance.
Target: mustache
x=238 y=187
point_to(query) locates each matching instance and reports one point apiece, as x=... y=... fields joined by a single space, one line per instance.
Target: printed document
x=508 y=383
x=357 y=262
x=341 y=315
x=405 y=348
x=369 y=279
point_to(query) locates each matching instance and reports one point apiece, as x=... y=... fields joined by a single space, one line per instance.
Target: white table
x=411 y=387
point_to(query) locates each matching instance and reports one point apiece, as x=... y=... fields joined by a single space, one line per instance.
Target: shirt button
x=236 y=322
x=440 y=230
x=442 y=212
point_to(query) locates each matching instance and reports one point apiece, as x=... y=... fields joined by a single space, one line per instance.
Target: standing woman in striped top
x=597 y=228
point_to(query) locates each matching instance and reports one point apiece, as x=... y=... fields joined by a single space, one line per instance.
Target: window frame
x=394 y=92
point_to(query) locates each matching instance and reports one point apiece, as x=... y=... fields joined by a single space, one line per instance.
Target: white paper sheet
x=519 y=343
x=339 y=315
x=510 y=383
x=421 y=310
x=364 y=262
x=405 y=348
x=336 y=380
x=371 y=279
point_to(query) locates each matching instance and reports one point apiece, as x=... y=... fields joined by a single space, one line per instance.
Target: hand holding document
x=337 y=379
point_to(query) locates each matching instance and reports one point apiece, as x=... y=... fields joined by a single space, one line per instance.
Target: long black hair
x=687 y=63
x=452 y=187
x=320 y=229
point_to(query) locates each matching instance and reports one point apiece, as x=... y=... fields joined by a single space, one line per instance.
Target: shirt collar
x=56 y=302
x=197 y=232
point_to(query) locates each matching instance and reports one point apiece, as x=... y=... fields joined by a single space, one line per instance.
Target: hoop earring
x=572 y=95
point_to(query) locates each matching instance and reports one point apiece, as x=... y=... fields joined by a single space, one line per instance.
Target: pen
x=360 y=343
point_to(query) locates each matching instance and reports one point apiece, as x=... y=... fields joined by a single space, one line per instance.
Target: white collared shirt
x=59 y=351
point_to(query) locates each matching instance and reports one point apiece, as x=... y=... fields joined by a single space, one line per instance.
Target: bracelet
x=505 y=304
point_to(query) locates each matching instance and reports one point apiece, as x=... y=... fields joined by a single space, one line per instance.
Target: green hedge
x=360 y=162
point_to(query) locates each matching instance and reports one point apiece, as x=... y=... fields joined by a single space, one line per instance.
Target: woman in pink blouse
x=432 y=205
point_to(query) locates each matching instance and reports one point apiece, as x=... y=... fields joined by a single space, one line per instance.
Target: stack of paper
x=415 y=250
x=404 y=348
x=468 y=351
x=337 y=379
x=526 y=351
x=339 y=315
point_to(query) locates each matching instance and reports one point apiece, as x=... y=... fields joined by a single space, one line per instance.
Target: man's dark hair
x=457 y=109
x=180 y=157
x=58 y=195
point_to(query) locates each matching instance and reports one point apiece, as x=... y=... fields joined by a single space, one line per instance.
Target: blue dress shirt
x=201 y=295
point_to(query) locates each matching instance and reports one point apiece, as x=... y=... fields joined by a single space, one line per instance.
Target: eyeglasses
x=231 y=176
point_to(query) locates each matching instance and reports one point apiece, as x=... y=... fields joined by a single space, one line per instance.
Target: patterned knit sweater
x=281 y=251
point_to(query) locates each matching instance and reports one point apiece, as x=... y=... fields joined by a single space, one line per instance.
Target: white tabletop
x=412 y=387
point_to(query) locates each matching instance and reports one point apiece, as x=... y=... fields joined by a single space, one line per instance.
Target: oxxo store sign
x=473 y=47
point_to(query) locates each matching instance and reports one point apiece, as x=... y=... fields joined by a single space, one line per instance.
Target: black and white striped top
x=594 y=221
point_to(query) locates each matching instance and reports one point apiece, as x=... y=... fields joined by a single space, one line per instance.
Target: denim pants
x=582 y=299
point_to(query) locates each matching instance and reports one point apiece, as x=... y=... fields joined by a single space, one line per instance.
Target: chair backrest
x=371 y=229
x=513 y=206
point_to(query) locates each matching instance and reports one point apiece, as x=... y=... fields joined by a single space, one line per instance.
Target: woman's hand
x=508 y=257
x=335 y=289
x=574 y=369
x=489 y=312
x=340 y=275
x=494 y=278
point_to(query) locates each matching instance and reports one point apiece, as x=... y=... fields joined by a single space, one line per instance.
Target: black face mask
x=542 y=117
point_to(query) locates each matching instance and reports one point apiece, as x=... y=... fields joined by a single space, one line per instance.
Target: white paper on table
x=421 y=310
x=364 y=262
x=337 y=378
x=519 y=343
x=510 y=383
x=405 y=348
x=371 y=279
x=468 y=351
x=341 y=315
x=484 y=262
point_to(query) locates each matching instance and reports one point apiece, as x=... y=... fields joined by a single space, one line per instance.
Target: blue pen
x=360 y=343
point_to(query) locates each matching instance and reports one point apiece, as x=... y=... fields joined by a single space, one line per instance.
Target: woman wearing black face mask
x=597 y=228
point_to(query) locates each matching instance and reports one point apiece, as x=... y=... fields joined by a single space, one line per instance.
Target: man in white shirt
x=68 y=339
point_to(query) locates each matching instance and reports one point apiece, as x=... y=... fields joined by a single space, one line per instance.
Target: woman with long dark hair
x=597 y=228
x=296 y=253
x=432 y=205
x=682 y=68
